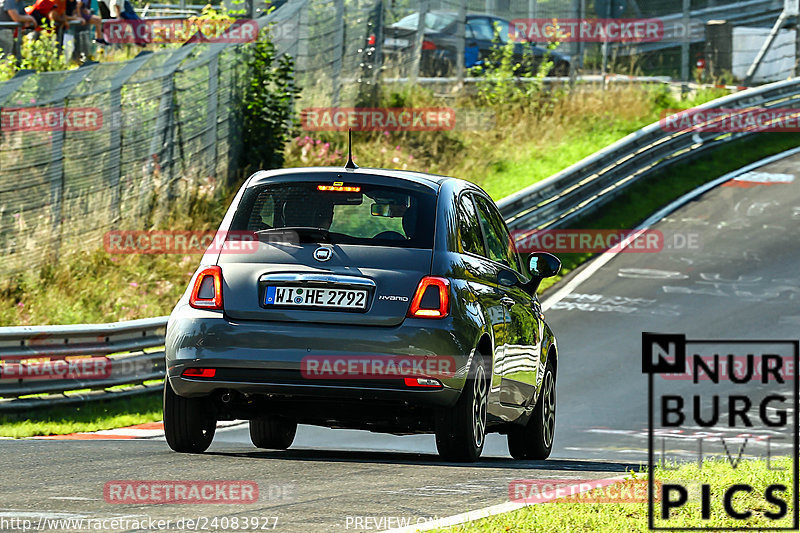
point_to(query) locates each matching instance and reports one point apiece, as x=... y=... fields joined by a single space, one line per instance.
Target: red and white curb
x=150 y=430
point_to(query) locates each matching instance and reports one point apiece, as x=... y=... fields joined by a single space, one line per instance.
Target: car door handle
x=507 y=301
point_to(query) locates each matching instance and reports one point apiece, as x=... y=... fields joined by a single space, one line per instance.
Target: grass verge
x=585 y=516
x=507 y=143
x=92 y=416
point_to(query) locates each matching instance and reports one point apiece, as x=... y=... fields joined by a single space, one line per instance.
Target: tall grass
x=526 y=143
x=89 y=284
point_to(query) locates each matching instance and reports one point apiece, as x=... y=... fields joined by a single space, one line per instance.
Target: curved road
x=735 y=277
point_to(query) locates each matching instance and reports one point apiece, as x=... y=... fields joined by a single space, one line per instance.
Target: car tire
x=534 y=441
x=272 y=433
x=461 y=429
x=189 y=423
x=437 y=65
x=560 y=70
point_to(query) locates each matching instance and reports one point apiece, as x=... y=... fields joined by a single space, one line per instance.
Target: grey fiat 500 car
x=370 y=299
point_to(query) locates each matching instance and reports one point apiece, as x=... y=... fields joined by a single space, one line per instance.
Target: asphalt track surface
x=738 y=279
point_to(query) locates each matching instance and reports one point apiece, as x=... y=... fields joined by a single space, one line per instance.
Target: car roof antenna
x=350 y=165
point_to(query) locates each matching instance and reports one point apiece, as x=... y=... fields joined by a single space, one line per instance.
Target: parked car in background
x=440 y=44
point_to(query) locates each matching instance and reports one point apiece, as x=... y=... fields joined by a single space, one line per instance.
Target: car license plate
x=395 y=43
x=313 y=297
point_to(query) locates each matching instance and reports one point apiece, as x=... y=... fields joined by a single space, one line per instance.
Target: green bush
x=268 y=106
x=8 y=67
x=39 y=52
x=499 y=86
x=43 y=54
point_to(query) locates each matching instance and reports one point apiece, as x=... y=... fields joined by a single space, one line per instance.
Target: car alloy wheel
x=548 y=409
x=480 y=400
x=461 y=429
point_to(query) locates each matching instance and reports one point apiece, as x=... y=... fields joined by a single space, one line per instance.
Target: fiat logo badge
x=323 y=254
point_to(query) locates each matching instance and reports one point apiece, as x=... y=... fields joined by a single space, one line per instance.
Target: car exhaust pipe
x=226 y=397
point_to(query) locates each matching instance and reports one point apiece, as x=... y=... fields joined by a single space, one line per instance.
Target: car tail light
x=431 y=308
x=207 y=290
x=199 y=372
x=422 y=382
x=428 y=45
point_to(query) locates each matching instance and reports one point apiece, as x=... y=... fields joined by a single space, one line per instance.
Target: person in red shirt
x=53 y=10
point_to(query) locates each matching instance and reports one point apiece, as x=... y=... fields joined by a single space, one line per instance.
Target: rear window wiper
x=304 y=233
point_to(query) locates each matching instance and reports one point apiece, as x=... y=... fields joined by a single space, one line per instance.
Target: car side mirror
x=543 y=265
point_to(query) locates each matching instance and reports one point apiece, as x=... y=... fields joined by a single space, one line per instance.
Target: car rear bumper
x=272 y=358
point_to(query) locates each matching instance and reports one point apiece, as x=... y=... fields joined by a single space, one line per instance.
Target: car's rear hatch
x=388 y=275
x=361 y=265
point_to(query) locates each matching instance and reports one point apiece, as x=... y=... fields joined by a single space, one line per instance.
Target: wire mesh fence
x=116 y=145
x=342 y=47
x=113 y=145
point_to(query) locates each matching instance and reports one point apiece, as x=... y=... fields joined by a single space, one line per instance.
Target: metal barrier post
x=338 y=47
x=164 y=134
x=56 y=171
x=18 y=51
x=461 y=29
x=416 y=58
x=211 y=119
x=115 y=150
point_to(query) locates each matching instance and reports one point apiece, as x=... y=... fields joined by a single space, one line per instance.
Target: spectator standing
x=122 y=9
x=78 y=12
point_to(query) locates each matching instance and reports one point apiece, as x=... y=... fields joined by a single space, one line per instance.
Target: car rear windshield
x=339 y=213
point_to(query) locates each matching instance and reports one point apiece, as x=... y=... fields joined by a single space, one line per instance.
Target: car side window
x=482 y=29
x=468 y=227
x=499 y=244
